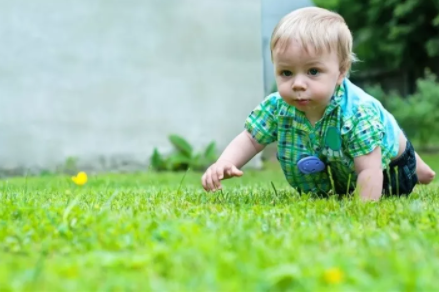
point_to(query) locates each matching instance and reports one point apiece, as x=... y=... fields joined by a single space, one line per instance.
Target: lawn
x=162 y=232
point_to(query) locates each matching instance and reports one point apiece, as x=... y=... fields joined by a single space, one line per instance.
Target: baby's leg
x=424 y=172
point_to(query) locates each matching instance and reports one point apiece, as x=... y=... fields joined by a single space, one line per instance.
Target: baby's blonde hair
x=318 y=29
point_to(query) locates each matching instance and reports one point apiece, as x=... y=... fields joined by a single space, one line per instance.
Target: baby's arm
x=365 y=146
x=260 y=130
x=240 y=151
x=370 y=175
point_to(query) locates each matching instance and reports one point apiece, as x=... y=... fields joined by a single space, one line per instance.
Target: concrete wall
x=106 y=81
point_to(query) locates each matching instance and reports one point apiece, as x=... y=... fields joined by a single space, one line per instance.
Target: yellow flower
x=333 y=276
x=80 y=179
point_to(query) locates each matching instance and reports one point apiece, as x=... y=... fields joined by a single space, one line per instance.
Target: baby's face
x=306 y=80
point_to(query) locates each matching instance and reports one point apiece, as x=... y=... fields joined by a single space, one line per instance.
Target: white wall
x=109 y=80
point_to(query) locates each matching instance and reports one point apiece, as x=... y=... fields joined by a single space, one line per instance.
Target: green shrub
x=183 y=156
x=417 y=114
x=421 y=115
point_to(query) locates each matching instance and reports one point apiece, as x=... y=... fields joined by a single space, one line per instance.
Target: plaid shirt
x=353 y=124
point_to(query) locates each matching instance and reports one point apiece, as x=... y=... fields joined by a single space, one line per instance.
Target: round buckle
x=310 y=164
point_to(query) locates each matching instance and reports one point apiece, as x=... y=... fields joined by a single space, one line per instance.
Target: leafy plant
x=417 y=114
x=391 y=35
x=183 y=156
x=421 y=113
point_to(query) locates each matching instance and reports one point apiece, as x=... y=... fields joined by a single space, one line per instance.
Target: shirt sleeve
x=367 y=132
x=262 y=123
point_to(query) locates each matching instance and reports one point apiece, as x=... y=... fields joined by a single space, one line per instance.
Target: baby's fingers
x=208 y=180
x=217 y=176
x=204 y=181
x=236 y=171
x=233 y=171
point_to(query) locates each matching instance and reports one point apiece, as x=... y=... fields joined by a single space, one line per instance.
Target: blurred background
x=164 y=84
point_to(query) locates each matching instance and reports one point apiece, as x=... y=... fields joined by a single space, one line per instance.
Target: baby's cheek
x=323 y=94
x=283 y=90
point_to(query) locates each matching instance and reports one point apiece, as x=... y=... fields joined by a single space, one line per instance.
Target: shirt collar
x=335 y=99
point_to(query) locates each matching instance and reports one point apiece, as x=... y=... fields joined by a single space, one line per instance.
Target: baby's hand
x=218 y=171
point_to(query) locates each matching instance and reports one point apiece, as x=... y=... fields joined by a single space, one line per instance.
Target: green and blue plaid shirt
x=353 y=124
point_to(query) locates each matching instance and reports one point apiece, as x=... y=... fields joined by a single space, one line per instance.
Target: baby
x=331 y=135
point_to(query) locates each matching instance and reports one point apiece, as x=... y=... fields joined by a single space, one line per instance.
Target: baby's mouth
x=301 y=101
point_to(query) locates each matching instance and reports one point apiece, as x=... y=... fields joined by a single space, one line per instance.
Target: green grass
x=155 y=232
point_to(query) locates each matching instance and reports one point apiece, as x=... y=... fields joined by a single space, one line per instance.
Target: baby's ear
x=341 y=76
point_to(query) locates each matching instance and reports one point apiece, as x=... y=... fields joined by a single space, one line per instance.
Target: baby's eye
x=314 y=71
x=286 y=73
